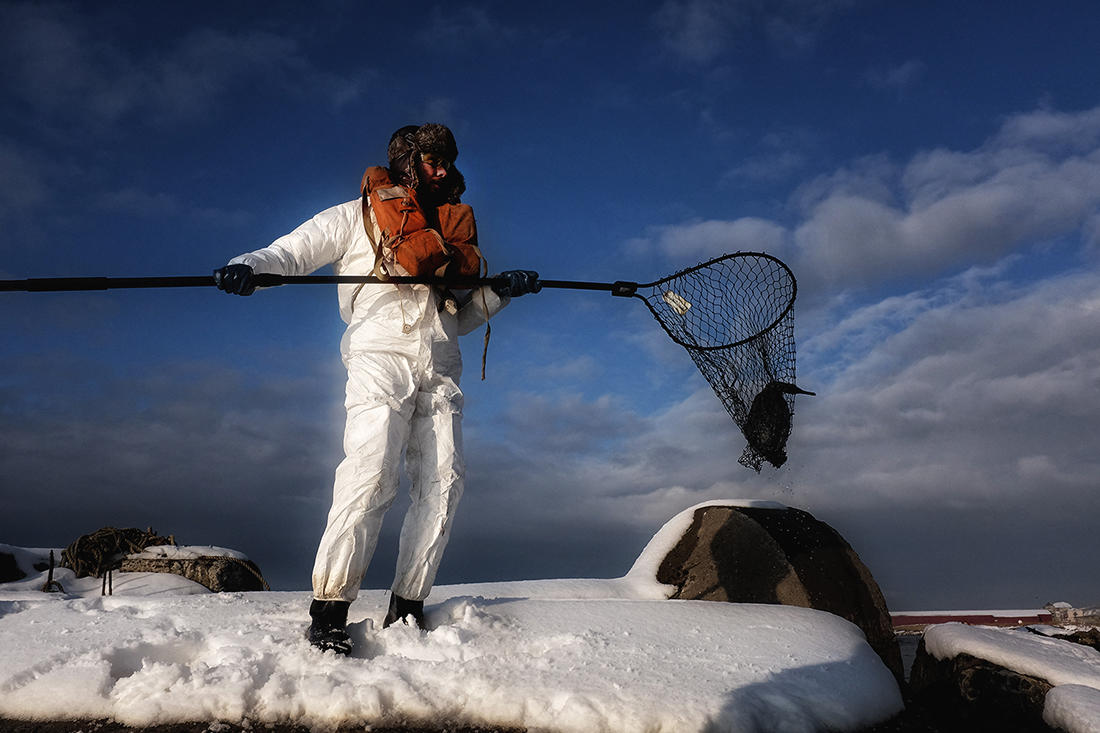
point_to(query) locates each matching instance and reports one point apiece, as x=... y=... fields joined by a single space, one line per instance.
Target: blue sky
x=930 y=171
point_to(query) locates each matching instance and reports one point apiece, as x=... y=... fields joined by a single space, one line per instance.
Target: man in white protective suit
x=403 y=362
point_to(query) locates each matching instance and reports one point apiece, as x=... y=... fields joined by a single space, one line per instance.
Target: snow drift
x=564 y=655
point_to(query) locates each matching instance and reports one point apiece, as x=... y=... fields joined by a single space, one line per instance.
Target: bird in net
x=735 y=316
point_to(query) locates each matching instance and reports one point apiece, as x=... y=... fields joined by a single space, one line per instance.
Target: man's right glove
x=235 y=279
x=516 y=283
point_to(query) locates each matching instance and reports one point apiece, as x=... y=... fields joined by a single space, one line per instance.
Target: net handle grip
x=621 y=288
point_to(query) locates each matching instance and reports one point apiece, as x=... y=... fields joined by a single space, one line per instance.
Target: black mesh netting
x=735 y=316
x=95 y=553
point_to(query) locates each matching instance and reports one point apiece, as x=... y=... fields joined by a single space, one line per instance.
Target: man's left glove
x=515 y=283
x=235 y=279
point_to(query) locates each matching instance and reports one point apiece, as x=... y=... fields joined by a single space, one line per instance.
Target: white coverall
x=403 y=362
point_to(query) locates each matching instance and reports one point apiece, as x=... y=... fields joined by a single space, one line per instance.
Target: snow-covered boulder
x=219 y=569
x=765 y=552
x=132 y=550
x=1008 y=679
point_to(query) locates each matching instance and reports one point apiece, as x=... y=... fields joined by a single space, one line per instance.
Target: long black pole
x=67 y=284
x=59 y=284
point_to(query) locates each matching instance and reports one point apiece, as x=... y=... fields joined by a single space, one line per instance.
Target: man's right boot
x=328 y=631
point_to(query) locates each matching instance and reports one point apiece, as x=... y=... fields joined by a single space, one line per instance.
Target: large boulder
x=132 y=550
x=976 y=694
x=763 y=552
x=218 y=569
x=995 y=678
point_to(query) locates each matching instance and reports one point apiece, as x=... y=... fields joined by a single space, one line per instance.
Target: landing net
x=735 y=316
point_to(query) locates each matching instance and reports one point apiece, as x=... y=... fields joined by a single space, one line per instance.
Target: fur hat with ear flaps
x=406 y=146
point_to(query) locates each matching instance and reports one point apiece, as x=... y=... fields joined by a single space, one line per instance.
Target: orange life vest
x=438 y=242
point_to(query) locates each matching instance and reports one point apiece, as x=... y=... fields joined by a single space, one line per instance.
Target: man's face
x=433 y=171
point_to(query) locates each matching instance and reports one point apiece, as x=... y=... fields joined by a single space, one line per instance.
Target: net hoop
x=710 y=263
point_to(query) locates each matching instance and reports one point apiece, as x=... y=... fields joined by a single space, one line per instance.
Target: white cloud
x=872 y=222
x=948 y=405
x=705 y=239
x=1070 y=130
x=956 y=209
x=942 y=393
x=867 y=177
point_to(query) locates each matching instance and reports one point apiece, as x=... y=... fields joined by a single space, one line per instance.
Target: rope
x=250 y=568
x=95 y=553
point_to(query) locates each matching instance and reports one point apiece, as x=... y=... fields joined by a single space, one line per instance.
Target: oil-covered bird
x=768 y=424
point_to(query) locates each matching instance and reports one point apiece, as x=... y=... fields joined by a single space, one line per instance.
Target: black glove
x=516 y=283
x=235 y=279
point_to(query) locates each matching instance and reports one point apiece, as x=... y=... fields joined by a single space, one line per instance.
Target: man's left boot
x=328 y=631
x=401 y=608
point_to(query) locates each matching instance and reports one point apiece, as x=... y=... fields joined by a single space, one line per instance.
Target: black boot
x=328 y=632
x=401 y=608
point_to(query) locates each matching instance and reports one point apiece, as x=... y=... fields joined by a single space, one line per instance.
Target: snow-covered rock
x=765 y=552
x=216 y=568
x=1012 y=676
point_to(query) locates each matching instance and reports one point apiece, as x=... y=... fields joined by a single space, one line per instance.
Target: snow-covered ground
x=1073 y=704
x=555 y=655
x=587 y=665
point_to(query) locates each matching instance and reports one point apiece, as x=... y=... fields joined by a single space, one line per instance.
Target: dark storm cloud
x=203 y=451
